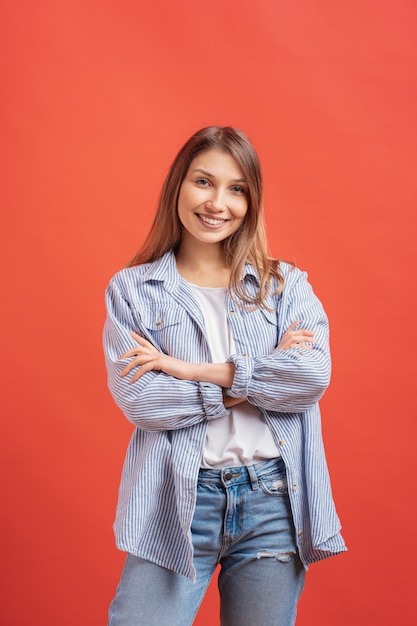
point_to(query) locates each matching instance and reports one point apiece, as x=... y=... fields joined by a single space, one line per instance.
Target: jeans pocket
x=274 y=484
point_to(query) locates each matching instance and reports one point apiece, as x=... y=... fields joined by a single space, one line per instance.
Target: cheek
x=241 y=209
x=182 y=204
x=188 y=198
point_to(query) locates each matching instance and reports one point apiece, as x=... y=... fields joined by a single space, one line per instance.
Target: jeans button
x=228 y=476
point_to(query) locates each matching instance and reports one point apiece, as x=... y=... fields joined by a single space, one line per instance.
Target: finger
x=303 y=343
x=145 y=344
x=144 y=347
x=136 y=376
x=128 y=368
x=139 y=360
x=293 y=325
x=141 y=340
x=139 y=350
x=129 y=353
x=141 y=371
x=301 y=335
x=134 y=351
x=131 y=366
x=301 y=332
x=291 y=329
x=295 y=340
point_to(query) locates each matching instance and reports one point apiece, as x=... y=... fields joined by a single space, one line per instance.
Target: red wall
x=96 y=99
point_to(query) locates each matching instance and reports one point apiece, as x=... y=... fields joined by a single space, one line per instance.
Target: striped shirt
x=157 y=494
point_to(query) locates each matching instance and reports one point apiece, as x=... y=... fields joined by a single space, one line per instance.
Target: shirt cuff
x=242 y=377
x=213 y=401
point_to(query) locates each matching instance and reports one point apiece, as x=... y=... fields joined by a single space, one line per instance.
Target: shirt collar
x=250 y=271
x=165 y=270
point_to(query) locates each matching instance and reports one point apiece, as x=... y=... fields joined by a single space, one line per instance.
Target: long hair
x=248 y=243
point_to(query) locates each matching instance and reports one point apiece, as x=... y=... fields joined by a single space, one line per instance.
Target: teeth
x=211 y=220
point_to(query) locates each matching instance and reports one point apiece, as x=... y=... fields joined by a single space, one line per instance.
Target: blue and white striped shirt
x=157 y=493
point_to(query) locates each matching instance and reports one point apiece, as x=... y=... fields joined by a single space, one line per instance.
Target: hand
x=300 y=338
x=148 y=358
x=228 y=401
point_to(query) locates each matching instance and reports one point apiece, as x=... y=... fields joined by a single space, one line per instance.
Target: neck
x=203 y=265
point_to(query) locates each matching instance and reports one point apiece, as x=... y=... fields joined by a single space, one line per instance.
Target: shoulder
x=131 y=274
x=125 y=284
x=294 y=288
x=291 y=274
x=285 y=277
x=298 y=292
x=160 y=270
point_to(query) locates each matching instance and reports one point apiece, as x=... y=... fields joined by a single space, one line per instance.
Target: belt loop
x=253 y=477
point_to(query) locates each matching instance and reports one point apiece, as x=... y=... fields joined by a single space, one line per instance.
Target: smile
x=211 y=220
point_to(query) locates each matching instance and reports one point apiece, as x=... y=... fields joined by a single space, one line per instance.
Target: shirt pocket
x=164 y=326
x=263 y=331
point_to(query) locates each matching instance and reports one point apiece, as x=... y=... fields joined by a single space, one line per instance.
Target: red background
x=97 y=97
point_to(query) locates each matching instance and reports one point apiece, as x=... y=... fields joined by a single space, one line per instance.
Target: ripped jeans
x=243 y=522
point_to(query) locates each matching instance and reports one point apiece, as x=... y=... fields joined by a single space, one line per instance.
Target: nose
x=217 y=201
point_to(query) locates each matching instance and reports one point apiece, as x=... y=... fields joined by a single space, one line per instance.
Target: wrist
x=217 y=373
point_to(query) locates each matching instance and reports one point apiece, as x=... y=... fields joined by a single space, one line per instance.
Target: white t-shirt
x=243 y=437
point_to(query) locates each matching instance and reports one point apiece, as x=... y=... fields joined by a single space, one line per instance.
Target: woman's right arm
x=156 y=401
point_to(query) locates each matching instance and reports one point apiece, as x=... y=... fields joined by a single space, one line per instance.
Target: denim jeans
x=243 y=522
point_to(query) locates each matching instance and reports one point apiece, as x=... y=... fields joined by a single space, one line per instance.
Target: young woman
x=218 y=356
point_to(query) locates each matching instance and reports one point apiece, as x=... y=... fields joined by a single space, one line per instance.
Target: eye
x=203 y=182
x=238 y=189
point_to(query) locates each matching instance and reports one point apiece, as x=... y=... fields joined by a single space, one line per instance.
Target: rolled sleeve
x=242 y=377
x=156 y=401
x=290 y=380
x=212 y=401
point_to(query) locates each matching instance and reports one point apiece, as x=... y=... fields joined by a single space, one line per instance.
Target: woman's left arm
x=290 y=379
x=295 y=376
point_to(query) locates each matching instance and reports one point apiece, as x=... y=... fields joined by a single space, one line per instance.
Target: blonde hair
x=248 y=243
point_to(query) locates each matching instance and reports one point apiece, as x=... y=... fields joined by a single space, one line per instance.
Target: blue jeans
x=243 y=522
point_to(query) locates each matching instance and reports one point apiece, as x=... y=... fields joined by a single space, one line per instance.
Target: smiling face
x=213 y=198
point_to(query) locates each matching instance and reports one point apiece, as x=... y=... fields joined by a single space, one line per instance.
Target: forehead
x=217 y=162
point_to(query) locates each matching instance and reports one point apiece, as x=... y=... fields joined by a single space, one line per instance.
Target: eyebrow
x=235 y=180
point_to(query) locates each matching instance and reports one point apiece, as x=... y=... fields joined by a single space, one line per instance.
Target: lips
x=211 y=221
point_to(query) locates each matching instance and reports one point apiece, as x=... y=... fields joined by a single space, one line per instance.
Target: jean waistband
x=241 y=474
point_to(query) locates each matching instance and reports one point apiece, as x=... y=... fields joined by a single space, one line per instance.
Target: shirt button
x=294 y=487
x=158 y=322
x=232 y=312
x=281 y=442
x=228 y=476
x=300 y=532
